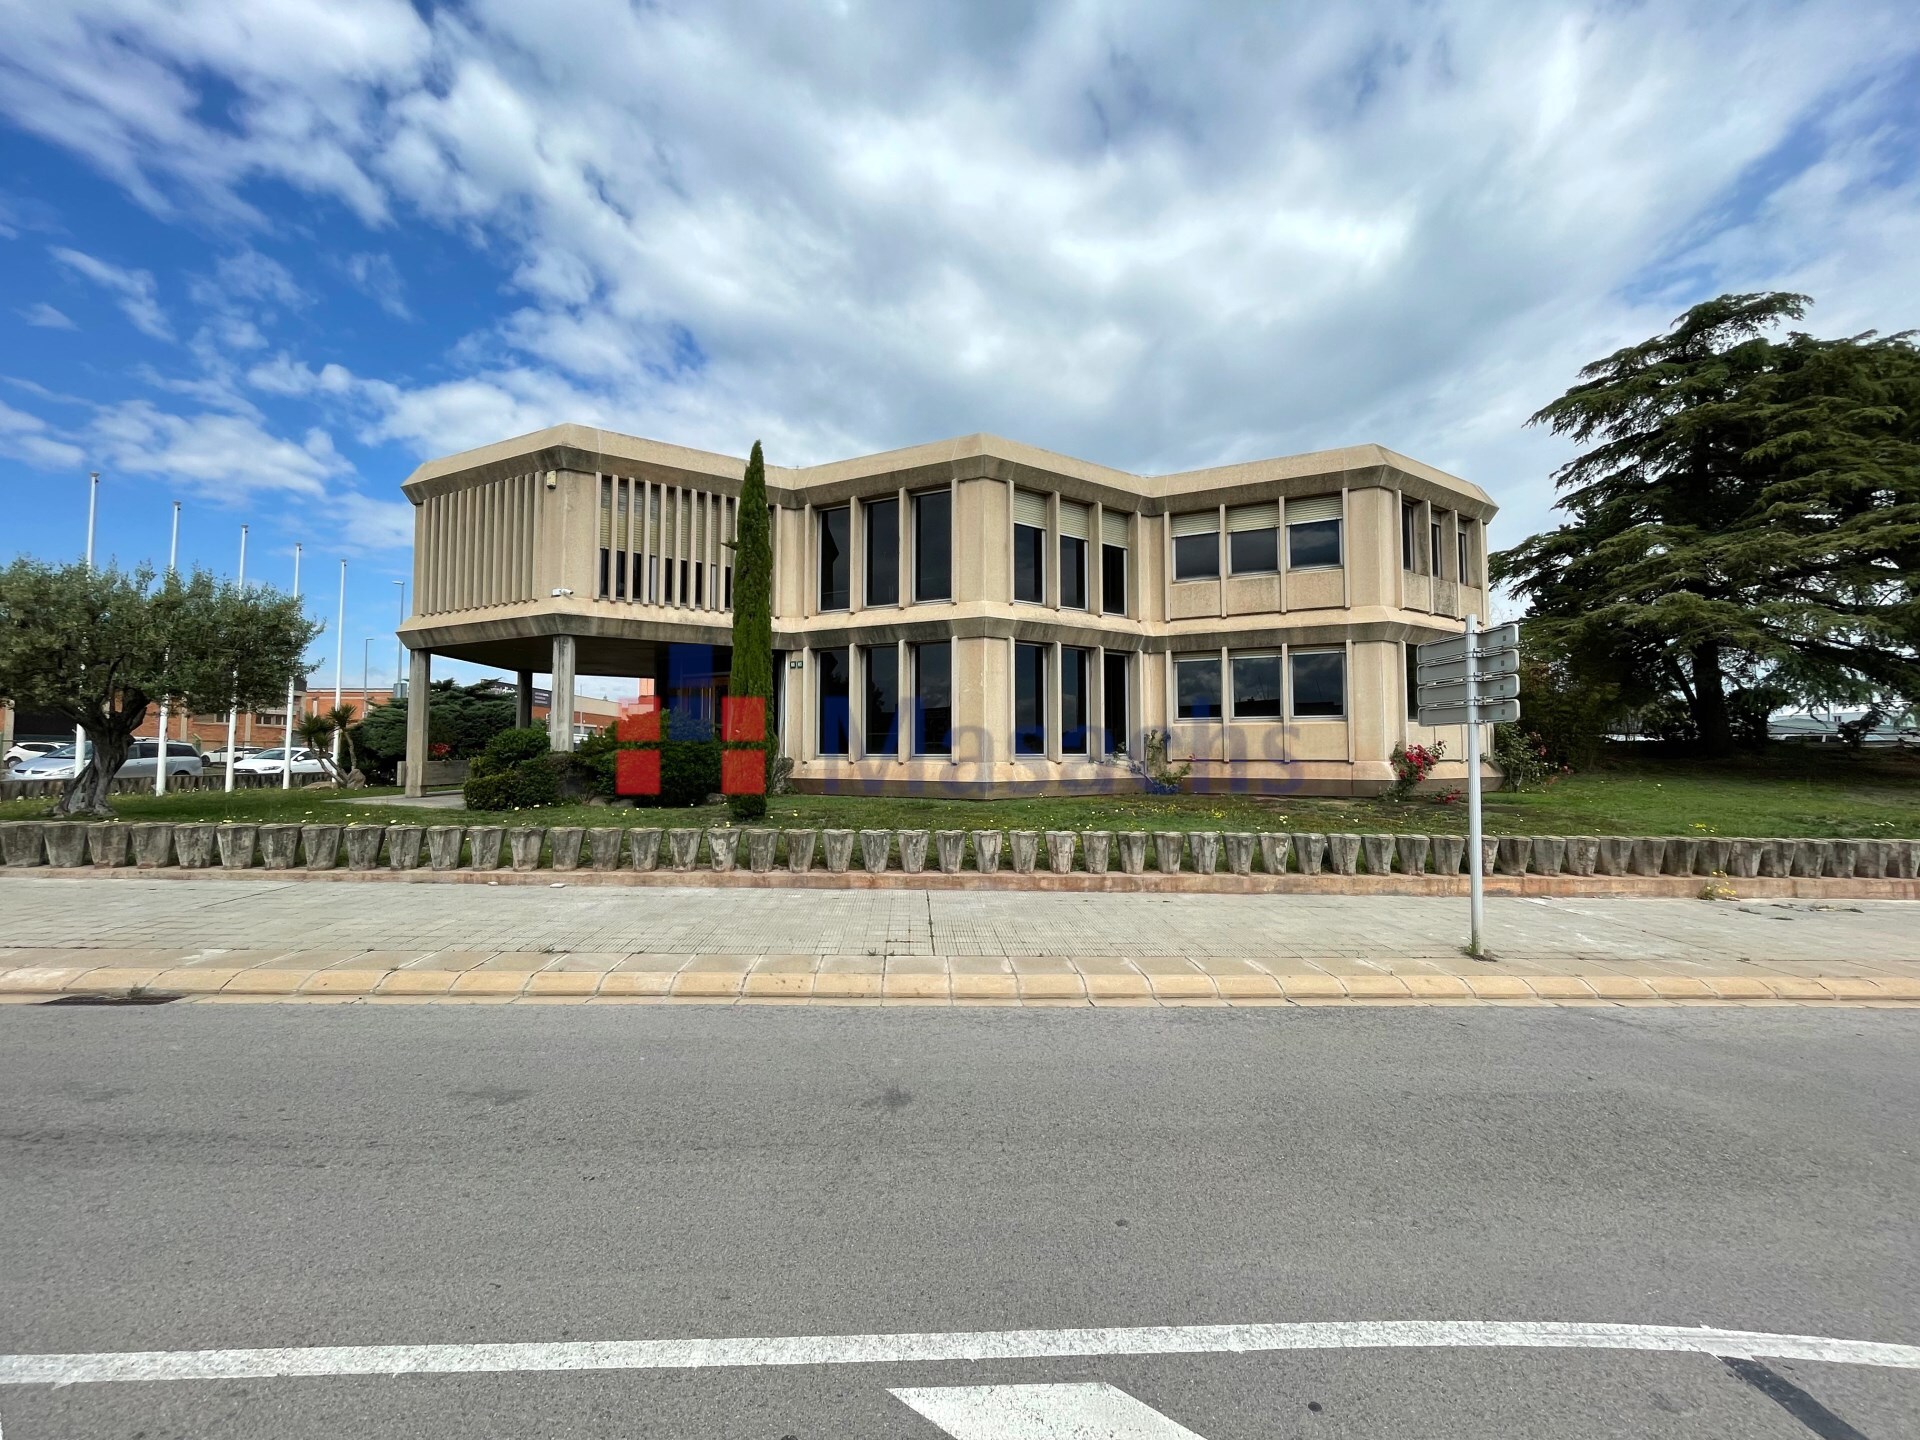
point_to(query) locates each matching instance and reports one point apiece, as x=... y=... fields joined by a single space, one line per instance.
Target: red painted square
x=743 y=772
x=636 y=772
x=639 y=721
x=743 y=717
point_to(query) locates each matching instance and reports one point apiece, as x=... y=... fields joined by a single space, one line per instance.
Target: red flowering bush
x=1411 y=765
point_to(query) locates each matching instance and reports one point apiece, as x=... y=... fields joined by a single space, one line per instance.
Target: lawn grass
x=1787 y=791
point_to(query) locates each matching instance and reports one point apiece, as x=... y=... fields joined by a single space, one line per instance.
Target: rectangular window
x=606 y=537
x=1196 y=686
x=1075 y=527
x=835 y=717
x=1113 y=703
x=1253 y=538
x=1464 y=571
x=1256 y=687
x=1412 y=679
x=933 y=698
x=1076 y=666
x=1030 y=699
x=1030 y=547
x=882 y=519
x=1113 y=563
x=1409 y=528
x=836 y=557
x=882 y=731
x=1196 y=545
x=1319 y=684
x=933 y=545
x=1313 y=533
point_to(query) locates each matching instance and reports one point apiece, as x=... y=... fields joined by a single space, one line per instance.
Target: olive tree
x=100 y=646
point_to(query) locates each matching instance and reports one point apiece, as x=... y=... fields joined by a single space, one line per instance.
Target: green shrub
x=689 y=761
x=510 y=748
x=522 y=786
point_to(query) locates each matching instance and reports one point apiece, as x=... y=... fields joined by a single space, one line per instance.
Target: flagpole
x=173 y=560
x=286 y=740
x=93 y=509
x=233 y=703
x=339 y=654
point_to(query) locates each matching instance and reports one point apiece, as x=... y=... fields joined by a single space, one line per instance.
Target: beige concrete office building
x=974 y=616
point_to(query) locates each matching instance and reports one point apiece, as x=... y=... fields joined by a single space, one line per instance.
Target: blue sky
x=264 y=258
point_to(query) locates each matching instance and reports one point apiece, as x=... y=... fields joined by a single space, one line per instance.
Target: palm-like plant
x=316 y=733
x=341 y=719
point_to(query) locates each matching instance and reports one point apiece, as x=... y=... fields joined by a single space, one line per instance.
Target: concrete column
x=523 y=699
x=560 y=712
x=419 y=701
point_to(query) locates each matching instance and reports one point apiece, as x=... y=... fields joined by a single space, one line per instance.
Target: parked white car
x=27 y=750
x=216 y=758
x=142 y=760
x=271 y=762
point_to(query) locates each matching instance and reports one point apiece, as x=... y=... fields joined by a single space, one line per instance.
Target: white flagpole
x=286 y=739
x=1477 y=902
x=173 y=560
x=233 y=703
x=339 y=654
x=93 y=509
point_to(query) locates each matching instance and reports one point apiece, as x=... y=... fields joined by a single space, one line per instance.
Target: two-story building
x=974 y=616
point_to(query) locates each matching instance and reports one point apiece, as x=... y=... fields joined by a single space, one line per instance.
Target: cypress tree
x=752 y=672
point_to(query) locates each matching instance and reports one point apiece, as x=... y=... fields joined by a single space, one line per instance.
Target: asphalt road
x=191 y=1177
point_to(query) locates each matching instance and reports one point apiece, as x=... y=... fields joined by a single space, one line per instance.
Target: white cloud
x=375 y=524
x=225 y=457
x=135 y=289
x=376 y=276
x=26 y=437
x=46 y=317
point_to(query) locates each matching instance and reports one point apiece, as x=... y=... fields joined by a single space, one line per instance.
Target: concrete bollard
x=1776 y=858
x=1239 y=848
x=524 y=844
x=1489 y=854
x=643 y=848
x=1615 y=857
x=237 y=845
x=800 y=847
x=986 y=851
x=1647 y=855
x=66 y=844
x=1309 y=852
x=403 y=846
x=876 y=848
x=683 y=848
x=484 y=841
x=443 y=846
x=1869 y=864
x=723 y=847
x=279 y=846
x=1133 y=851
x=603 y=846
x=1810 y=857
x=1274 y=850
x=1582 y=853
x=1025 y=845
x=1378 y=851
x=193 y=846
x=566 y=841
x=1903 y=859
x=1512 y=854
x=1743 y=858
x=838 y=845
x=950 y=849
x=913 y=850
x=1205 y=847
x=107 y=844
x=363 y=846
x=1343 y=854
x=1842 y=857
x=1449 y=851
x=1167 y=845
x=762 y=844
x=1711 y=857
x=23 y=842
x=152 y=846
x=1060 y=847
x=1682 y=850
x=1549 y=854
x=1412 y=853
x=1095 y=848
x=321 y=844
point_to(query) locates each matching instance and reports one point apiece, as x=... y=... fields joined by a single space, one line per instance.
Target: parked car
x=141 y=762
x=271 y=762
x=25 y=750
x=216 y=758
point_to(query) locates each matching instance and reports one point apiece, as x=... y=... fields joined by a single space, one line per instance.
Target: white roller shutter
x=1113 y=527
x=1264 y=516
x=1030 y=508
x=606 y=513
x=1309 y=508
x=1075 y=520
x=1196 y=522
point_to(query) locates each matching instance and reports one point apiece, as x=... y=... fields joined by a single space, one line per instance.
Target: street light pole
x=233 y=700
x=93 y=509
x=173 y=559
x=398 y=646
x=339 y=655
x=366 y=649
x=286 y=739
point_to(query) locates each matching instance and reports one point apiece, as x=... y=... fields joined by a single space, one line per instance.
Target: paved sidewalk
x=268 y=938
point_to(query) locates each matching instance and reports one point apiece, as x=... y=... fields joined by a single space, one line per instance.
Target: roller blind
x=1265 y=516
x=1196 y=522
x=1113 y=527
x=606 y=514
x=1030 y=508
x=1313 y=507
x=1074 y=520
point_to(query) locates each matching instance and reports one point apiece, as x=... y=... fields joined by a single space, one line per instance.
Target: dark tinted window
x=1114 y=703
x=933 y=699
x=1030 y=564
x=882 y=731
x=883 y=551
x=1413 y=680
x=1113 y=579
x=1196 y=684
x=834 y=714
x=1196 y=557
x=1254 y=552
x=933 y=545
x=1314 y=545
x=1029 y=699
x=1073 y=572
x=1319 y=683
x=1075 y=665
x=835 y=558
x=1409 y=527
x=1256 y=687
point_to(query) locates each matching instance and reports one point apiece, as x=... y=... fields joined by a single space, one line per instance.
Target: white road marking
x=1041 y=1412
x=331 y=1360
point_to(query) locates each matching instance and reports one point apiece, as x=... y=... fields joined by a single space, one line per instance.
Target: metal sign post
x=1472 y=680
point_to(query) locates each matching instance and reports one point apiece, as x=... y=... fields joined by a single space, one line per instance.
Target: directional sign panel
x=1454 y=692
x=1500 y=712
x=1455 y=647
x=1504 y=662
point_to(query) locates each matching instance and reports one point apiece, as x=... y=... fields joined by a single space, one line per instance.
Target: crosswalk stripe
x=1041 y=1412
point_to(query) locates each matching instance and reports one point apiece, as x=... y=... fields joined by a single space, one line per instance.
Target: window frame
x=821 y=520
x=916 y=651
x=869 y=695
x=1107 y=591
x=1239 y=657
x=1020 y=743
x=1339 y=561
x=820 y=697
x=1213 y=574
x=1084 y=658
x=1199 y=658
x=916 y=546
x=1297 y=653
x=868 y=510
x=1233 y=564
x=1040 y=564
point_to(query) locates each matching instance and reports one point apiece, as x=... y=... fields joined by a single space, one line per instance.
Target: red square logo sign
x=743 y=772
x=743 y=718
x=636 y=772
x=639 y=722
